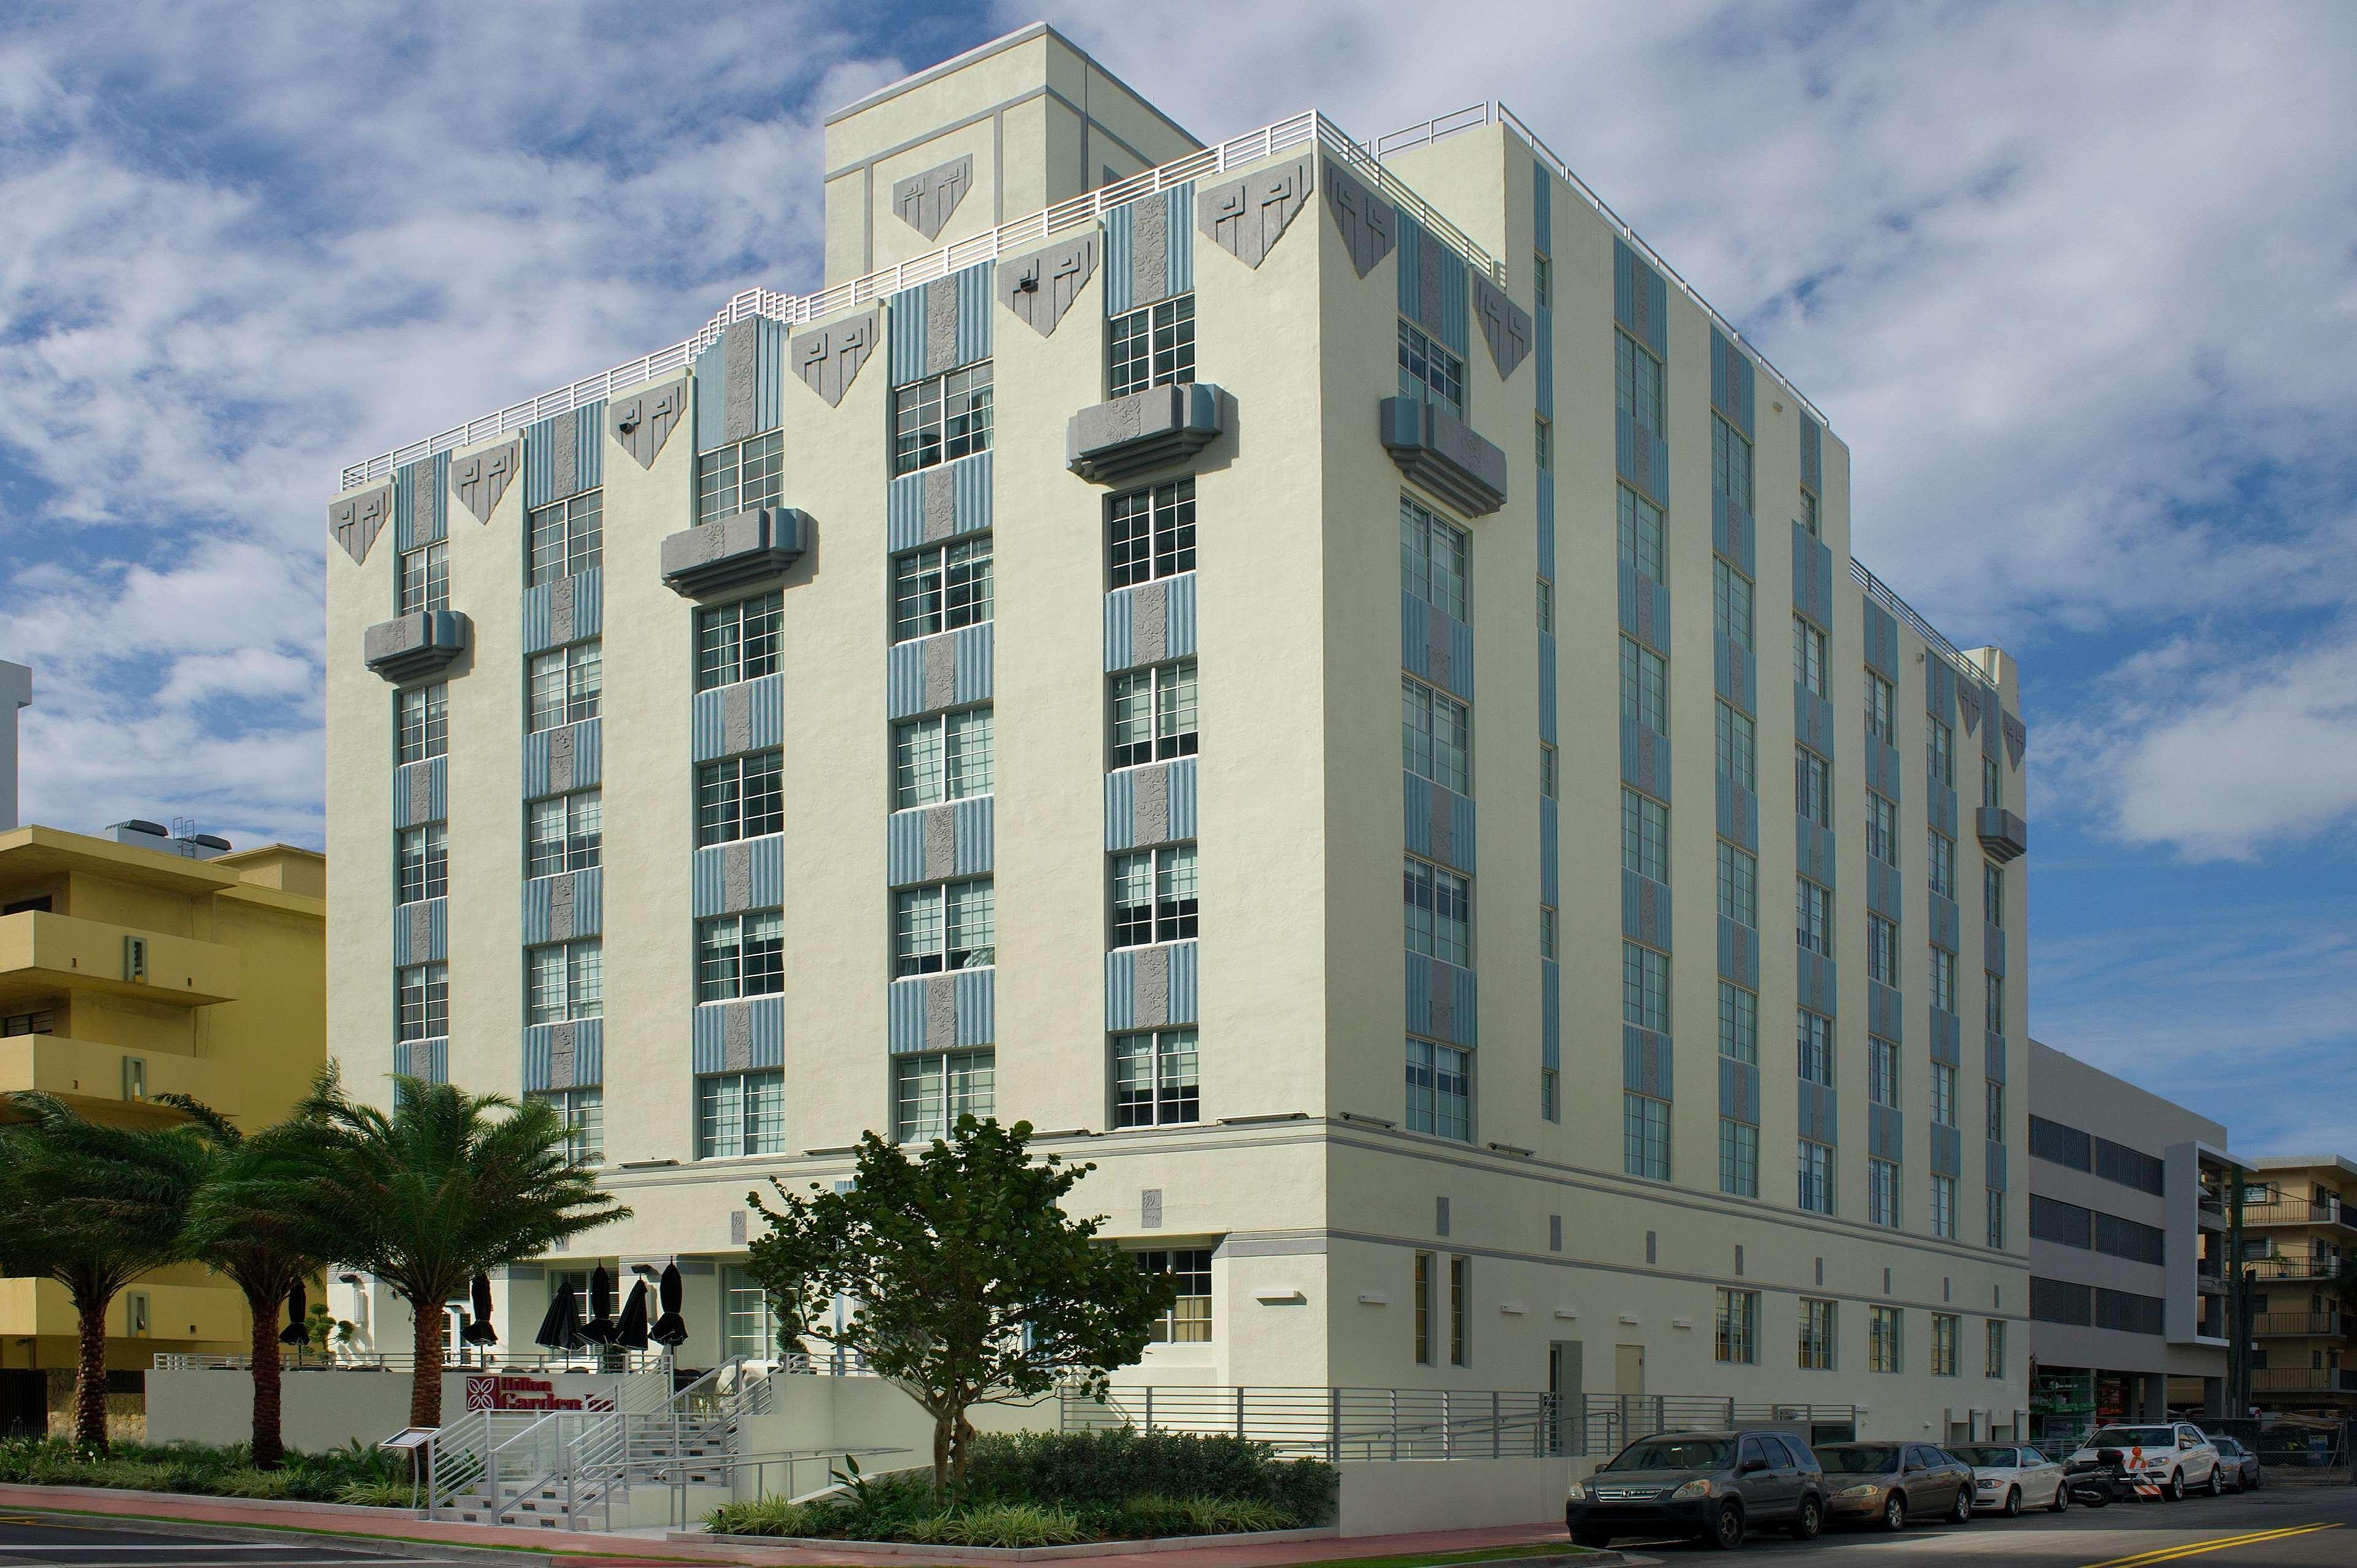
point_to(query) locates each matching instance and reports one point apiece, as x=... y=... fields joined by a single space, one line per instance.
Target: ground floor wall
x=319 y=1409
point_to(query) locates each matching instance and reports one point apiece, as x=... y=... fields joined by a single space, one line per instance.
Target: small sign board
x=409 y=1438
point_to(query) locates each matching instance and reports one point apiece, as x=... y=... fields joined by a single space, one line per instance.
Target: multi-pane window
x=1883 y=1347
x=1439 y=1090
x=1154 y=896
x=952 y=926
x=1943 y=1207
x=1640 y=536
x=740 y=798
x=1151 y=348
x=1816 y=1177
x=1738 y=886
x=1943 y=1094
x=1808 y=656
x=1548 y=780
x=564 y=982
x=1645 y=1136
x=1730 y=462
x=1812 y=915
x=1992 y=1004
x=1880 y=701
x=1543 y=443
x=1150 y=533
x=1436 y=736
x=1546 y=606
x=583 y=1113
x=1432 y=559
x=1731 y=603
x=1430 y=373
x=941 y=418
x=1940 y=752
x=563 y=833
x=1946 y=1331
x=1992 y=1350
x=1644 y=686
x=1550 y=1095
x=1940 y=850
x=421 y=723
x=1737 y=1335
x=1541 y=284
x=1644 y=836
x=566 y=687
x=1882 y=950
x=1153 y=713
x=941 y=756
x=1155 y=1079
x=1813 y=787
x=1738 y=1023
x=1881 y=828
x=1439 y=912
x=1881 y=1192
x=740 y=955
x=1549 y=933
x=1817 y=1323
x=737 y=642
x=1992 y=893
x=1461 y=1291
x=1738 y=1157
x=1809 y=511
x=1422 y=1288
x=1738 y=748
x=1993 y=1099
x=567 y=539
x=1992 y=785
x=1882 y=1070
x=425 y=578
x=1188 y=1321
x=1636 y=382
x=422 y=992
x=941 y=588
x=1644 y=987
x=423 y=856
x=749 y=1316
x=740 y=1113
x=1943 y=981
x=745 y=475
x=1814 y=1034
x=1997 y=1217
x=930 y=1092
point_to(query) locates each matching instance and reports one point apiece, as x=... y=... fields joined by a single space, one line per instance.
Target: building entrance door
x=1628 y=1371
x=1566 y=1360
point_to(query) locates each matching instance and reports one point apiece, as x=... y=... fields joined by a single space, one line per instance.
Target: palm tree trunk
x=425 y=1383
x=90 y=1373
x=269 y=1448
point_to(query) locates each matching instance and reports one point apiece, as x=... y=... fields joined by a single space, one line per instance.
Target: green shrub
x=247 y=1483
x=1149 y=1517
x=377 y=1493
x=1012 y=1524
x=1082 y=1469
x=766 y=1516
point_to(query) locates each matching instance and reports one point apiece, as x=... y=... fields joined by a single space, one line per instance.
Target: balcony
x=2303 y=1380
x=750 y=547
x=1145 y=431
x=2299 y=1325
x=87 y=1073
x=2004 y=836
x=1441 y=452
x=2290 y=1212
x=415 y=645
x=2294 y=1266
x=43 y=954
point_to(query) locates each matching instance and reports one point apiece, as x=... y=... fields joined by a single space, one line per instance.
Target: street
x=57 y=1540
x=2312 y=1526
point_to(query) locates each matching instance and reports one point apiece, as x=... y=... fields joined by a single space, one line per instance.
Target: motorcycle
x=2095 y=1483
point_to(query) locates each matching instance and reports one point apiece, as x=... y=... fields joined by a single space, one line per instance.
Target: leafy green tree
x=975 y=1286
x=93 y=1206
x=446 y=1185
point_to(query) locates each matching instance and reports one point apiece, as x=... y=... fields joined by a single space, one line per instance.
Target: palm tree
x=446 y=1185
x=93 y=1208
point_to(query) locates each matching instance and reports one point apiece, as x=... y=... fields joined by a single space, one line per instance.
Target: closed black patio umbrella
x=631 y=1333
x=479 y=1330
x=297 y=1308
x=669 y=1329
x=599 y=1329
x=560 y=1329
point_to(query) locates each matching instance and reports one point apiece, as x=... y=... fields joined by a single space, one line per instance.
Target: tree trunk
x=269 y=1449
x=425 y=1383
x=89 y=1374
x=943 y=1424
x=962 y=1441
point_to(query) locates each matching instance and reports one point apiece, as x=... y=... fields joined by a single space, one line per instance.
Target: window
x=1940 y=750
x=1151 y=348
x=1435 y=736
x=943 y=756
x=1738 y=1157
x=1644 y=687
x=1882 y=950
x=1644 y=987
x=1812 y=915
x=1424 y=1309
x=952 y=926
x=1943 y=981
x=1997 y=1217
x=1993 y=1356
x=1550 y=1095
x=1880 y=698
x=1645 y=1137
x=1813 y=1035
x=563 y=833
x=1548 y=934
x=1943 y=1094
x=744 y=477
x=1439 y=1090
x=1548 y=783
x=748 y=1319
x=1882 y=1192
x=1881 y=828
x=1738 y=886
x=1188 y=1321
x=1636 y=382
x=1432 y=559
x=1542 y=282
x=423 y=855
x=1809 y=512
x=1882 y=1070
x=564 y=981
x=1813 y=787
x=1993 y=1002
x=738 y=798
x=1992 y=893
x=567 y=539
x=1940 y=851
x=1808 y=656
x=1993 y=1099
x=1439 y=907
x=1945 y=1333
x=1738 y=748
x=1992 y=785
x=740 y=1113
x=941 y=418
x=1943 y=1210
x=583 y=1113
x=1150 y=533
x=1154 y=713
x=1730 y=462
x=1543 y=443
x=1816 y=1177
x=1460 y=1272
x=737 y=642
x=422 y=1008
x=930 y=1092
x=1155 y=1080
x=1883 y=1349
x=40 y=1021
x=1640 y=536
x=1644 y=836
x=1546 y=608
x=740 y=955
x=941 y=588
x=1816 y=1335
x=566 y=687
x=1738 y=1023
x=1154 y=896
x=1430 y=373
x=1731 y=603
x=1738 y=1338
x=425 y=579
x=421 y=723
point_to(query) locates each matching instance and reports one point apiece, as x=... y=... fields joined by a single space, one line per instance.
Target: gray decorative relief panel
x=644 y=421
x=1246 y=217
x=2017 y=738
x=480 y=481
x=829 y=358
x=927 y=201
x=355 y=520
x=1505 y=326
x=1968 y=706
x=1041 y=285
x=1369 y=224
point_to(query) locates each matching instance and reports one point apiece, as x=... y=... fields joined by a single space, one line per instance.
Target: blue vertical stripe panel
x=905 y=348
x=434 y=943
x=1733 y=534
x=1186 y=983
x=420 y=792
x=1178 y=249
x=1630 y=277
x=1121 y=988
x=1886 y=1011
x=1120 y=810
x=904 y=678
x=1546 y=687
x=1419 y=994
x=1947 y=1038
x=1813 y=462
x=1993 y=1169
x=588 y=593
x=970 y=502
x=1735 y=673
x=1881 y=632
x=587 y=890
x=1886 y=1136
x=1185 y=812
x=974 y=664
x=1415 y=815
x=1411 y=245
x=1739 y=814
x=977 y=1007
x=1651 y=926
x=1940 y=806
x=761 y=703
x=540 y=438
x=974 y=313
x=764 y=885
x=770 y=375
x=1993 y=949
x=421 y=504
x=904 y=846
x=1550 y=1014
x=1992 y=1058
x=1946 y=924
x=1947 y=1151
x=711 y=395
x=1730 y=381
x=975 y=824
x=1739 y=1089
x=1648 y=1061
x=905 y=1016
x=1459 y=678
x=765 y=1030
x=588 y=1053
x=1550 y=873
x=1455 y=300
x=1120 y=234
x=1738 y=953
x=1541 y=209
x=1546 y=493
x=588 y=759
x=425 y=1060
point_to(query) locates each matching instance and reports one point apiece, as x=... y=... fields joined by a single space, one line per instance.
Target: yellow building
x=128 y=972
x=2299 y=1220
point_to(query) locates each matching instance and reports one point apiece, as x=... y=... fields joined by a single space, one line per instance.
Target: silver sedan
x=2010 y=1476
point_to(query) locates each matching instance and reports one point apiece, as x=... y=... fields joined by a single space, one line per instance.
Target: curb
x=856 y=1551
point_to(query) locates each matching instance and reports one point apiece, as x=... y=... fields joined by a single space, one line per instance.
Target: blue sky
x=2077 y=282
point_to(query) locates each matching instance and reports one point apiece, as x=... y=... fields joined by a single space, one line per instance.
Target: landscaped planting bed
x=352 y=1475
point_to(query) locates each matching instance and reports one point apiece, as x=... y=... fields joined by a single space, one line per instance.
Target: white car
x=2172 y=1456
x=2008 y=1477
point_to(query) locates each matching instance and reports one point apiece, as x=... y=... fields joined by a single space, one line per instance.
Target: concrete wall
x=318 y=1409
x=821 y=1412
x=1387 y=1498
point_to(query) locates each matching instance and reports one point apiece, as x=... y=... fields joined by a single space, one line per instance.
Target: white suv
x=2173 y=1457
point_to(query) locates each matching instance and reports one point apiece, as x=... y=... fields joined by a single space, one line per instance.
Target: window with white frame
x=425 y=575
x=1816 y=1177
x=1188 y=1321
x=1992 y=783
x=423 y=1001
x=1436 y=736
x=1943 y=1207
x=1808 y=656
x=1812 y=915
x=1731 y=603
x=1644 y=987
x=749 y=1316
x=1882 y=950
x=1882 y=1192
x=930 y=1092
x=1738 y=1337
x=1813 y=787
x=1946 y=1331
x=1737 y=747
x=1644 y=836
x=565 y=982
x=1644 y=1136
x=1439 y=912
x=1940 y=851
x=1730 y=462
x=1738 y=1157
x=740 y=955
x=1155 y=1078
x=1940 y=752
x=1637 y=382
x=1154 y=896
x=1642 y=530
x=582 y=1111
x=1943 y=1094
x=423 y=858
x=1432 y=559
x=1809 y=511
x=1882 y=827
x=744 y=476
x=941 y=588
x=740 y=1114
x=738 y=640
x=1993 y=1103
x=1883 y=1334
x=1150 y=533
x=1943 y=981
x=1549 y=780
x=563 y=832
x=1738 y=886
x=567 y=687
x=1997 y=1217
x=1546 y=606
x=1992 y=1350
x=941 y=756
x=1814 y=1034
x=1151 y=346
x=1992 y=1004
x=1644 y=686
x=421 y=723
x=1882 y=1072
x=1460 y=1293
x=740 y=798
x=1992 y=893
x=1738 y=1023
x=941 y=418
x=1439 y=1090
x=565 y=539
x=1153 y=715
x=1817 y=1334
x=1550 y=936
x=1881 y=702
x=953 y=925
x=1430 y=372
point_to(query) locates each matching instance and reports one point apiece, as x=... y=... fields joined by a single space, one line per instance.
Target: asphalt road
x=2279 y=1527
x=51 y=1540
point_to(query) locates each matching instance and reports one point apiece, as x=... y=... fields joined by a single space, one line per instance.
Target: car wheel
x=1809 y=1520
x=2217 y=1485
x=1961 y=1510
x=1726 y=1531
x=2062 y=1497
x=2256 y=1479
x=2013 y=1502
x=2175 y=1489
x=1592 y=1537
x=1894 y=1510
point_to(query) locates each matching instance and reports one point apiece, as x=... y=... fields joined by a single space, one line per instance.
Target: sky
x=2077 y=282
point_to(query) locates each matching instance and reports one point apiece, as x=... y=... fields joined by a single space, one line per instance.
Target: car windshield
x=2226 y=1445
x=1673 y=1454
x=1864 y=1461
x=1989 y=1458
x=2131 y=1438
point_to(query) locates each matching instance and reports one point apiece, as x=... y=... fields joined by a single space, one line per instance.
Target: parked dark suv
x=1713 y=1485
